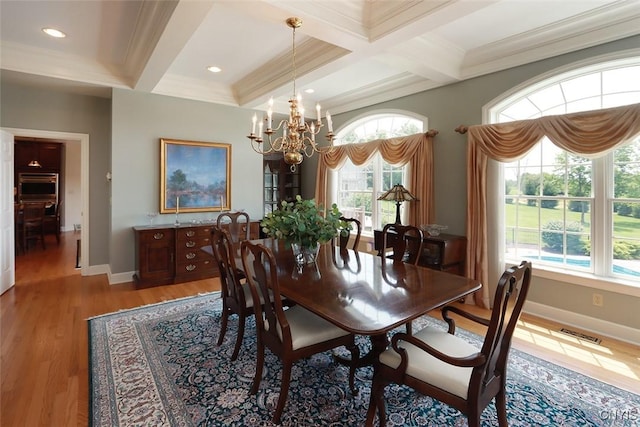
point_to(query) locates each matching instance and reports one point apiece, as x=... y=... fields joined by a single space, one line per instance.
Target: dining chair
x=33 y=223
x=238 y=225
x=52 y=222
x=292 y=334
x=343 y=241
x=236 y=295
x=405 y=242
x=439 y=364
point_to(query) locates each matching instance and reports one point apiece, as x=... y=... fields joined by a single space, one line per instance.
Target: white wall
x=72 y=206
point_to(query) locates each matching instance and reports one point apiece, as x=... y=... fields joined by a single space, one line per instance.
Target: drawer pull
x=158 y=236
x=190 y=267
x=190 y=244
x=190 y=233
x=190 y=255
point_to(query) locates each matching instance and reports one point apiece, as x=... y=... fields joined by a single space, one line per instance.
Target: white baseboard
x=599 y=327
x=114 y=279
x=94 y=270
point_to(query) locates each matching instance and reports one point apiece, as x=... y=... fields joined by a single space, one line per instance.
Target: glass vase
x=305 y=254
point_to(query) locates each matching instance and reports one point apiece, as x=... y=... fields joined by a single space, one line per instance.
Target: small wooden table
x=363 y=293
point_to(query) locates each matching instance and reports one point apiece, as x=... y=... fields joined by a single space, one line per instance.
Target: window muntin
x=358 y=187
x=568 y=211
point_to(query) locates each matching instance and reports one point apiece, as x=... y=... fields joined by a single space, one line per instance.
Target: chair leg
x=501 y=408
x=259 y=366
x=284 y=391
x=223 y=322
x=355 y=357
x=376 y=401
x=473 y=418
x=241 y=321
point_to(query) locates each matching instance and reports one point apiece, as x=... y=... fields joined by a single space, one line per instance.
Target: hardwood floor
x=44 y=338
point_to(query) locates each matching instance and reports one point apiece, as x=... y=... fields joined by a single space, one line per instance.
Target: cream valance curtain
x=416 y=150
x=590 y=134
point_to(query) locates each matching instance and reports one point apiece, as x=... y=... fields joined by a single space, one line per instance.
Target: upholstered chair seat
x=308 y=329
x=423 y=366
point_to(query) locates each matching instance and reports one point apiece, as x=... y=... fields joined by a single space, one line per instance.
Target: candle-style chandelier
x=298 y=137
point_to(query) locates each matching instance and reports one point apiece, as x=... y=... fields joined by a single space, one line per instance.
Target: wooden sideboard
x=168 y=254
x=446 y=252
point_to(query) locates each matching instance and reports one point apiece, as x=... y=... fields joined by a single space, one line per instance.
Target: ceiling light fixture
x=214 y=69
x=54 y=33
x=298 y=137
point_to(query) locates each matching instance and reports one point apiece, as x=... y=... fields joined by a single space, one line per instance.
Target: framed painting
x=194 y=176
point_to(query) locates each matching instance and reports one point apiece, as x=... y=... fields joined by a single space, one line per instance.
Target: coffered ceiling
x=352 y=53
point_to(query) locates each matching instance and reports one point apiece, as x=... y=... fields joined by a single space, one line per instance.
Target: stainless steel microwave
x=38 y=187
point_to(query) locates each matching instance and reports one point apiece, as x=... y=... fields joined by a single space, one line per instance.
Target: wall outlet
x=598 y=300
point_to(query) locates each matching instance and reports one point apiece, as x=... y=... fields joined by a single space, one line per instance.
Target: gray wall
x=461 y=103
x=139 y=121
x=30 y=108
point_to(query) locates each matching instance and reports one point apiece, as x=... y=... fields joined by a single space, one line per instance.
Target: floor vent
x=581 y=336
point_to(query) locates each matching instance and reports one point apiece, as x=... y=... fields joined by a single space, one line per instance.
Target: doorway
x=82 y=140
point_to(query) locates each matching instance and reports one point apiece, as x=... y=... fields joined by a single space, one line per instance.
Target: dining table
x=363 y=293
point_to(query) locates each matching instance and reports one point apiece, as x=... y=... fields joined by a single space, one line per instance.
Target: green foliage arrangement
x=304 y=222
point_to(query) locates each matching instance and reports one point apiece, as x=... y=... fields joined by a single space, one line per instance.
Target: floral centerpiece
x=304 y=225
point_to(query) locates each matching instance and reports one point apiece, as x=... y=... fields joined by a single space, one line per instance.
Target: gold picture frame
x=194 y=176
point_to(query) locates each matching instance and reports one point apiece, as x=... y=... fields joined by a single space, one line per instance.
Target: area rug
x=159 y=366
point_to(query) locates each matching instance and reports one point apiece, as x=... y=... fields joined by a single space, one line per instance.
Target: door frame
x=83 y=140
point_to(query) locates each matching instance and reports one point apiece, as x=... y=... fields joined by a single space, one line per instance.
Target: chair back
x=343 y=241
x=262 y=274
x=405 y=240
x=33 y=213
x=238 y=225
x=509 y=299
x=224 y=254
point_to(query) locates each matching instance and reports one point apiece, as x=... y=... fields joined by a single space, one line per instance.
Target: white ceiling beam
x=156 y=46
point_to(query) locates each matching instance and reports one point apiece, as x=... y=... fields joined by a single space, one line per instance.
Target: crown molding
x=276 y=75
x=385 y=90
x=195 y=89
x=553 y=40
x=27 y=59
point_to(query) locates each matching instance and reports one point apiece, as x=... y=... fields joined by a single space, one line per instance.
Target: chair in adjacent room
x=238 y=225
x=439 y=364
x=236 y=295
x=52 y=222
x=343 y=241
x=292 y=334
x=33 y=223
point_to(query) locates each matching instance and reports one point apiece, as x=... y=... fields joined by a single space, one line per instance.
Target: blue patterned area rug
x=159 y=366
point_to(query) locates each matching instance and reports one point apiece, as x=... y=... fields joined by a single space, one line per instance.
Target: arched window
x=357 y=188
x=577 y=215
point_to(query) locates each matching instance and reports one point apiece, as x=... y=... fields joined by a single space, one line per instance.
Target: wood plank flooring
x=44 y=338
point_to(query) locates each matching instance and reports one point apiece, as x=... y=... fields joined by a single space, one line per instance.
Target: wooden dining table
x=363 y=293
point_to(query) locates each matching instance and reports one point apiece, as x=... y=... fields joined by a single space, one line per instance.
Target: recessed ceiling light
x=214 y=69
x=309 y=90
x=54 y=33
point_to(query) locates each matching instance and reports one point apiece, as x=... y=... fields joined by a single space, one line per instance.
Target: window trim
x=490 y=115
x=347 y=126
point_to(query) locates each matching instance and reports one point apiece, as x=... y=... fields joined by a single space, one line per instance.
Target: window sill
x=589 y=280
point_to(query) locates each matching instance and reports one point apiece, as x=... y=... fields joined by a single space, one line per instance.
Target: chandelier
x=298 y=137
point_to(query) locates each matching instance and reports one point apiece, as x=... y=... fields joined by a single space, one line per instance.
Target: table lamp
x=398 y=194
